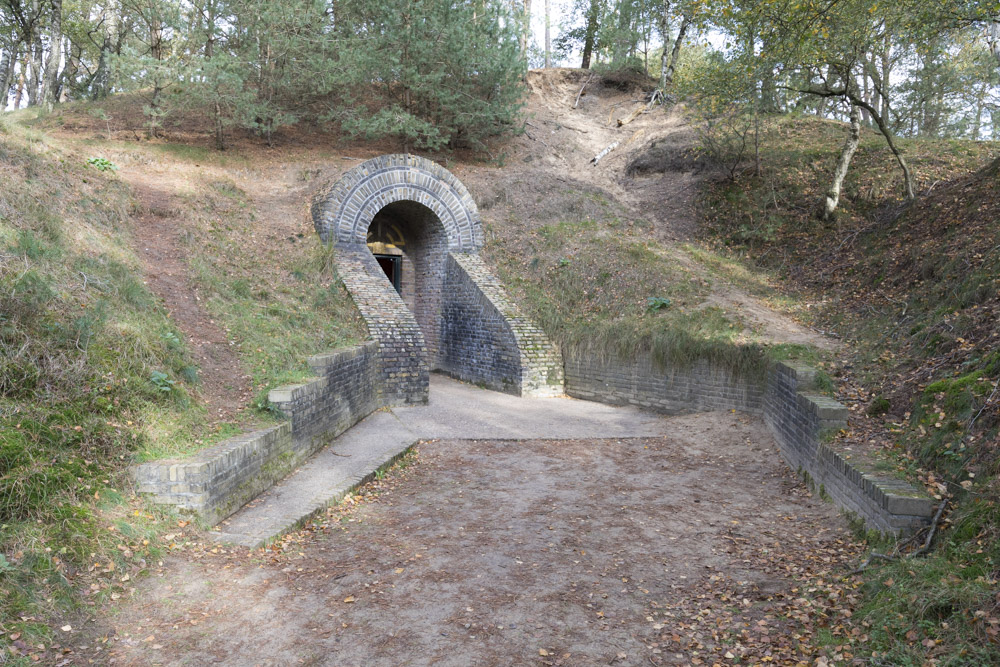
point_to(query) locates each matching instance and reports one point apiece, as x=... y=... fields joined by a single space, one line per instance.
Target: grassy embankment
x=915 y=289
x=94 y=375
x=596 y=280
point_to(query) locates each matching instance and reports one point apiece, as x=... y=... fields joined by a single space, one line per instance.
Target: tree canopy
x=430 y=72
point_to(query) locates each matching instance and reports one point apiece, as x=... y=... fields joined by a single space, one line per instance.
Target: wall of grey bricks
x=459 y=318
x=402 y=352
x=477 y=342
x=344 y=391
x=671 y=390
x=487 y=340
x=799 y=417
x=219 y=480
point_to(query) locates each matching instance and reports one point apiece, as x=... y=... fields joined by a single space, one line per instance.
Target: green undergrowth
x=86 y=355
x=600 y=286
x=915 y=289
x=279 y=300
x=938 y=609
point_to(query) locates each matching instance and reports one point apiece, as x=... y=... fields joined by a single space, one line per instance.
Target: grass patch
x=600 y=287
x=924 y=609
x=278 y=301
x=198 y=154
x=80 y=341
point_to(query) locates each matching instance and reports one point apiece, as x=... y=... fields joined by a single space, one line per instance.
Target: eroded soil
x=653 y=551
x=654 y=172
x=158 y=233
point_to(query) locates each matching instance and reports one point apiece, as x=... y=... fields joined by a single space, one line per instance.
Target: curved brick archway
x=457 y=319
x=343 y=214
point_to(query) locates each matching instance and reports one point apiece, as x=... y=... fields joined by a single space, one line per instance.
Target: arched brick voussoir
x=343 y=214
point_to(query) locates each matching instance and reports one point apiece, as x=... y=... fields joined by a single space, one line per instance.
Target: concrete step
x=350 y=461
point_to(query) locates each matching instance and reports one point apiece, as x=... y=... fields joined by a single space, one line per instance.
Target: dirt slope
x=651 y=173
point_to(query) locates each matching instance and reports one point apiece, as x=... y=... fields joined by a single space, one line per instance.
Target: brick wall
x=540 y=362
x=671 y=390
x=455 y=316
x=405 y=375
x=344 y=391
x=799 y=417
x=219 y=480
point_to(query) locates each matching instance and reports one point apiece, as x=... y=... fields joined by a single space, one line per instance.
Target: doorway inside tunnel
x=410 y=244
x=392 y=266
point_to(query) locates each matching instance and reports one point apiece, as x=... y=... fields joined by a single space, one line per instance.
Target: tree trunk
x=675 y=54
x=111 y=43
x=665 y=36
x=35 y=67
x=850 y=145
x=220 y=133
x=993 y=40
x=7 y=71
x=548 y=38
x=908 y=183
x=623 y=39
x=156 y=51
x=525 y=28
x=69 y=72
x=210 y=30
x=590 y=36
x=49 y=92
x=884 y=77
x=977 y=125
x=19 y=94
x=866 y=92
x=768 y=92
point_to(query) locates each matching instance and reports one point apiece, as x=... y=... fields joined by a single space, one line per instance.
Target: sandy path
x=571 y=552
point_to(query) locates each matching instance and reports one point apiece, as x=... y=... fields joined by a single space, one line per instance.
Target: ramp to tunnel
x=406 y=234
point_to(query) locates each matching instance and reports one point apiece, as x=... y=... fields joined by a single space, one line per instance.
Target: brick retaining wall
x=799 y=417
x=219 y=480
x=485 y=338
x=672 y=391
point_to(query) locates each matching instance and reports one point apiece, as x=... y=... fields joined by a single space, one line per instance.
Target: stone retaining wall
x=486 y=340
x=219 y=480
x=799 y=417
x=672 y=391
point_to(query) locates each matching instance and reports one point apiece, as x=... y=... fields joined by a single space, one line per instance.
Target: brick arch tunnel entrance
x=407 y=234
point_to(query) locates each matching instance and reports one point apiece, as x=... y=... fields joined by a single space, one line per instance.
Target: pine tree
x=430 y=72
